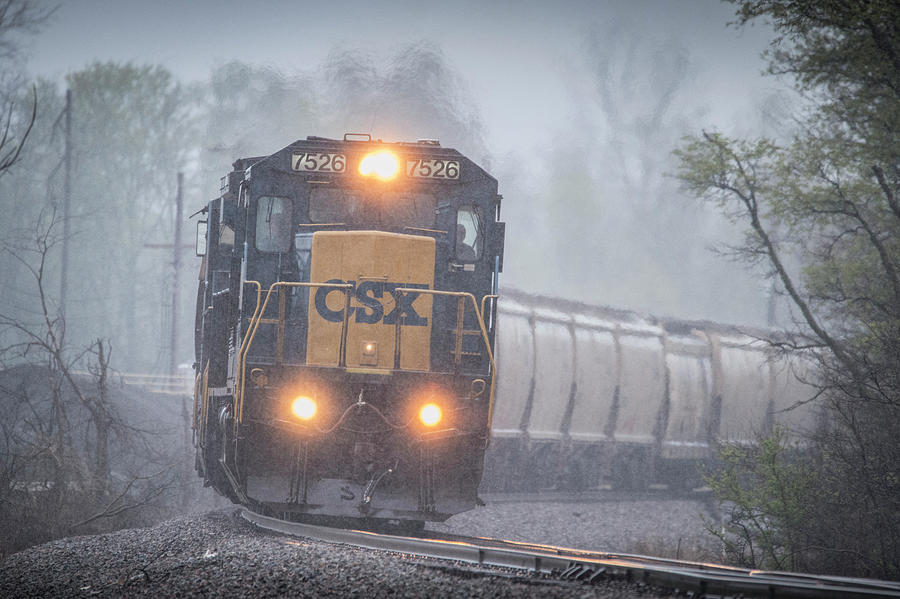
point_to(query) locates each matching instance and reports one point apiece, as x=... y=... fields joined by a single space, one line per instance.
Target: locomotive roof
x=422 y=147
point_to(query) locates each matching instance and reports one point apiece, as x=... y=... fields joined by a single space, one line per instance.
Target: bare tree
x=17 y=17
x=72 y=460
x=10 y=144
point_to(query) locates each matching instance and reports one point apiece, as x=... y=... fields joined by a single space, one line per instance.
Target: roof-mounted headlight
x=383 y=165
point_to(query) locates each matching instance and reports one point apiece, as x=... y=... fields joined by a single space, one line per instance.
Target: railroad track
x=595 y=495
x=587 y=566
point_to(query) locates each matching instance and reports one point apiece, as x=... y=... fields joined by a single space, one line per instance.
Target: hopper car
x=594 y=397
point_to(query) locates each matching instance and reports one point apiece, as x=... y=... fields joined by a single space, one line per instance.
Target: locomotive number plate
x=432 y=169
x=319 y=162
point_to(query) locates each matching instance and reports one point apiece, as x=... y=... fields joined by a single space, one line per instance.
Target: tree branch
x=752 y=208
x=886 y=189
x=12 y=155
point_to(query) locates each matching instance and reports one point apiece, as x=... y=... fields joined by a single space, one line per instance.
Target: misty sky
x=527 y=68
x=517 y=57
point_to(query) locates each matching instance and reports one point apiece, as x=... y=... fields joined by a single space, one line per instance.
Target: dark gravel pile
x=218 y=554
x=658 y=527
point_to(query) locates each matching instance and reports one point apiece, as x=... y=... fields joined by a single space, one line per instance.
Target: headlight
x=383 y=165
x=304 y=408
x=430 y=414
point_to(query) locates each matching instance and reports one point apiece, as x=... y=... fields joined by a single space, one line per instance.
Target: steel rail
x=601 y=495
x=575 y=564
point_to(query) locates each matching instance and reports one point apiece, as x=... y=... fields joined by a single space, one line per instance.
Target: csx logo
x=369 y=294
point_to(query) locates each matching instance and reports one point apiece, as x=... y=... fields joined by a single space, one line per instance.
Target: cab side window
x=274 y=224
x=226 y=235
x=469 y=234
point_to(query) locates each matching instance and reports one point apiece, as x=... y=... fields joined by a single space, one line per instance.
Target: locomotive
x=345 y=325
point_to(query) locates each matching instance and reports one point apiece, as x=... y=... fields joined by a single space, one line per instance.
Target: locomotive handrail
x=257 y=318
x=245 y=347
x=493 y=296
x=260 y=310
x=484 y=335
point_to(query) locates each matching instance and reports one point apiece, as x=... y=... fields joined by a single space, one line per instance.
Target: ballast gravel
x=672 y=528
x=218 y=554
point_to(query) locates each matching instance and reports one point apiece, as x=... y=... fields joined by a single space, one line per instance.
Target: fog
x=574 y=107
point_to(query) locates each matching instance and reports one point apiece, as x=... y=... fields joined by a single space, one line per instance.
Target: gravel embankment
x=661 y=528
x=218 y=554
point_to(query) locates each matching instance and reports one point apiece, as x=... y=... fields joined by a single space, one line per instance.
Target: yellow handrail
x=204 y=407
x=256 y=318
x=254 y=326
x=242 y=352
x=484 y=335
x=487 y=296
x=195 y=414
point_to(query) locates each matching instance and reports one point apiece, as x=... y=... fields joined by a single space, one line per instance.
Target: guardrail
x=163 y=384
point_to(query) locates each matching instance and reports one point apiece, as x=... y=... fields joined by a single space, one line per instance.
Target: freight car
x=345 y=327
x=589 y=396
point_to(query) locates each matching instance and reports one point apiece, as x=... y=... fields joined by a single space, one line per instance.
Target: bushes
x=764 y=492
x=802 y=509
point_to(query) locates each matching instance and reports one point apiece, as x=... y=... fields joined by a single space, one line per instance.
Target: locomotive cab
x=345 y=330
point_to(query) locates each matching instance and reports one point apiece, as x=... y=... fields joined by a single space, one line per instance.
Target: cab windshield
x=376 y=209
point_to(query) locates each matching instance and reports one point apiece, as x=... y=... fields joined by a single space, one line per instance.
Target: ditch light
x=304 y=408
x=430 y=414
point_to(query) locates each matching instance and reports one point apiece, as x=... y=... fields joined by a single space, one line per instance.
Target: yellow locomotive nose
x=304 y=408
x=430 y=414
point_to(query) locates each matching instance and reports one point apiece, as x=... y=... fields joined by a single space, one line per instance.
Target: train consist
x=345 y=326
x=346 y=318
x=590 y=397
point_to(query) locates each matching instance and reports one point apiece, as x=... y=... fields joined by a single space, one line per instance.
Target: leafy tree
x=766 y=487
x=822 y=214
x=77 y=452
x=132 y=131
x=634 y=100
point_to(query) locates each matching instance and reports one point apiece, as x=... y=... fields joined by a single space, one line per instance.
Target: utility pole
x=173 y=364
x=176 y=264
x=177 y=248
x=67 y=200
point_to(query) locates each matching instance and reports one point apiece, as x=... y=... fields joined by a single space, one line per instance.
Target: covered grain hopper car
x=589 y=396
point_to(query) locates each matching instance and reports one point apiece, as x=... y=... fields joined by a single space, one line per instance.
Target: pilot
x=464 y=251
